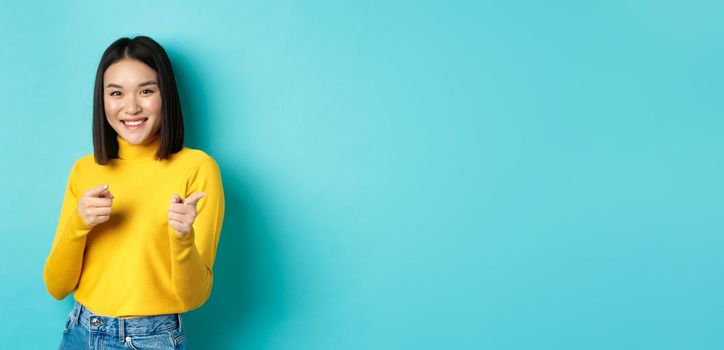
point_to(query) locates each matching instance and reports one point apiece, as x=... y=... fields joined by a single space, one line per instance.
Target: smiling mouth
x=134 y=123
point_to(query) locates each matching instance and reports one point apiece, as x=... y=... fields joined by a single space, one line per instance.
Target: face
x=132 y=100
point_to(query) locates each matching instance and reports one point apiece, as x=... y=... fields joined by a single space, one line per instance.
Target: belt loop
x=78 y=308
x=121 y=329
x=180 y=323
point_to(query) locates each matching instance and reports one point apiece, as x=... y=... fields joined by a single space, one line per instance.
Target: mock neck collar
x=128 y=150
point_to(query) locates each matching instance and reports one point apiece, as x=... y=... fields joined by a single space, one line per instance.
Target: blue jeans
x=85 y=330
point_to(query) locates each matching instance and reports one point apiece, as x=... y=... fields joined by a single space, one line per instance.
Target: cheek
x=111 y=108
x=153 y=105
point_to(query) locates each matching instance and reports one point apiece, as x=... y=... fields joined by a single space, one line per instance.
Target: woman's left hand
x=182 y=213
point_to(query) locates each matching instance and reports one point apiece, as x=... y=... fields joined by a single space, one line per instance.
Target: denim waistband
x=125 y=326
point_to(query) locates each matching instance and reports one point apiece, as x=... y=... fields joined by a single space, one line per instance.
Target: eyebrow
x=150 y=82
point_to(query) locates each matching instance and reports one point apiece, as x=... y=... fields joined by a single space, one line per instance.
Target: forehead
x=128 y=72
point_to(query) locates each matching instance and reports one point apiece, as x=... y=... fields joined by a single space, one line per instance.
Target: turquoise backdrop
x=407 y=174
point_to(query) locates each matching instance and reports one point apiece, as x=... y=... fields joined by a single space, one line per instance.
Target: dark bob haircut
x=148 y=51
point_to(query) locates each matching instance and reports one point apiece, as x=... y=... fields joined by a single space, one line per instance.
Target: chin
x=134 y=139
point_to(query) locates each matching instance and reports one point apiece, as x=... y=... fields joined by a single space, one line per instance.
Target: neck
x=127 y=150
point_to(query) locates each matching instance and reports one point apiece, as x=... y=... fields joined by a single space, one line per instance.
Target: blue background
x=405 y=175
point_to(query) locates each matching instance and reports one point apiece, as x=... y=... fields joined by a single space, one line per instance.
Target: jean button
x=95 y=322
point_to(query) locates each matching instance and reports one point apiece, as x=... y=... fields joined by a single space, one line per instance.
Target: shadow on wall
x=247 y=287
x=247 y=291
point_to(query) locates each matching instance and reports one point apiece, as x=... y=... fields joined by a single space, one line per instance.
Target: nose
x=132 y=107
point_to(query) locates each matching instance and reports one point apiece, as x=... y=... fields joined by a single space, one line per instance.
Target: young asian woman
x=141 y=216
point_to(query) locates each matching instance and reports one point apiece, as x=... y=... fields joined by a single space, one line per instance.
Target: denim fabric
x=85 y=330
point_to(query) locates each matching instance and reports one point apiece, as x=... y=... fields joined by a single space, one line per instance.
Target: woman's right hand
x=94 y=206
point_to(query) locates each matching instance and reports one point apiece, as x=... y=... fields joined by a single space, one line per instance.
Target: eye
x=113 y=93
x=147 y=91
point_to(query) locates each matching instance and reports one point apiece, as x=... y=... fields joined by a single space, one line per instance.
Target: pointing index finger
x=96 y=191
x=194 y=198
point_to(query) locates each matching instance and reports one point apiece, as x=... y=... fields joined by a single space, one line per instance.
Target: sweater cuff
x=182 y=240
x=78 y=227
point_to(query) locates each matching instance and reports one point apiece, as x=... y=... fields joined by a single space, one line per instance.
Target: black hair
x=148 y=51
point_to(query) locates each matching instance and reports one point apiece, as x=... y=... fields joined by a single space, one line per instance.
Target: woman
x=141 y=216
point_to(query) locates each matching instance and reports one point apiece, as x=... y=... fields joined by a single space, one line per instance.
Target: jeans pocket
x=150 y=341
x=177 y=336
x=68 y=323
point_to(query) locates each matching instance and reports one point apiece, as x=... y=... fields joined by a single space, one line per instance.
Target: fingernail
x=105 y=186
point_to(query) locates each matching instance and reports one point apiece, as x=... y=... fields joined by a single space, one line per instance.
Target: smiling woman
x=135 y=82
x=131 y=100
x=135 y=240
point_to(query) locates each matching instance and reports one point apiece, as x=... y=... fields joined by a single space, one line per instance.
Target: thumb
x=194 y=198
x=106 y=193
x=175 y=198
x=96 y=191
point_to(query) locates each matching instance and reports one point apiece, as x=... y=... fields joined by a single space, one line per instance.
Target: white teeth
x=139 y=122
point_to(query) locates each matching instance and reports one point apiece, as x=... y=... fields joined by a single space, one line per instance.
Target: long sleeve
x=192 y=255
x=63 y=265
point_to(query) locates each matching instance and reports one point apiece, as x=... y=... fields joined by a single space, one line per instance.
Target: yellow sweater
x=136 y=264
